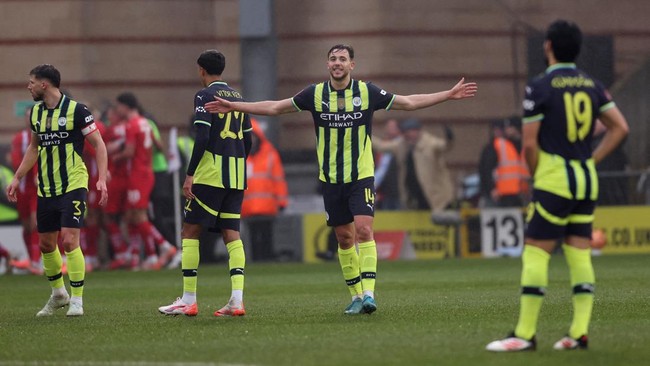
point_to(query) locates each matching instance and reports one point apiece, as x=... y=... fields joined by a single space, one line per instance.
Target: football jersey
x=61 y=133
x=566 y=102
x=19 y=144
x=343 y=126
x=116 y=134
x=223 y=162
x=139 y=134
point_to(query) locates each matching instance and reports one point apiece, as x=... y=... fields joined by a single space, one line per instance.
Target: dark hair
x=129 y=100
x=212 y=61
x=342 y=47
x=566 y=39
x=49 y=72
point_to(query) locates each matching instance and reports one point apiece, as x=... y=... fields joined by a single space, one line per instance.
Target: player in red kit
x=26 y=204
x=117 y=186
x=89 y=235
x=139 y=150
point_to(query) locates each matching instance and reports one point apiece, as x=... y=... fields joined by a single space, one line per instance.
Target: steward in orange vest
x=511 y=175
x=266 y=194
x=504 y=174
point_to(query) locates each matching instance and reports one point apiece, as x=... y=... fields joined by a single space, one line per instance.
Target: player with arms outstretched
x=342 y=110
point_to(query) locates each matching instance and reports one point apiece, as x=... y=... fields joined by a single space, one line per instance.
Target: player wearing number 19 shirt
x=342 y=110
x=214 y=187
x=560 y=110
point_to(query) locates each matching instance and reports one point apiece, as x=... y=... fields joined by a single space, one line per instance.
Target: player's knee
x=190 y=231
x=47 y=245
x=345 y=239
x=364 y=233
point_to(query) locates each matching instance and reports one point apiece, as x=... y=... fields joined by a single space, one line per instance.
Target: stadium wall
x=108 y=46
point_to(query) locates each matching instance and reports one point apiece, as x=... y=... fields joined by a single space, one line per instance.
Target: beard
x=546 y=62
x=37 y=97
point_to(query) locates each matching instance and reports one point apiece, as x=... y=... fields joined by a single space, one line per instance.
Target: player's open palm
x=463 y=90
x=218 y=106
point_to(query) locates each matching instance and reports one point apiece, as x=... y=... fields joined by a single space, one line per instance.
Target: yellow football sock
x=52 y=263
x=76 y=271
x=190 y=264
x=349 y=260
x=236 y=263
x=534 y=279
x=582 y=281
x=368 y=265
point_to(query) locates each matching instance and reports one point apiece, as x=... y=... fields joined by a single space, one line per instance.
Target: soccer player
x=89 y=236
x=115 y=209
x=138 y=149
x=59 y=127
x=214 y=187
x=560 y=110
x=26 y=196
x=342 y=110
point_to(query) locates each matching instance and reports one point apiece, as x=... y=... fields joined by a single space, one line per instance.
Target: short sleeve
x=605 y=100
x=201 y=115
x=379 y=98
x=304 y=101
x=84 y=119
x=34 y=125
x=247 y=125
x=533 y=104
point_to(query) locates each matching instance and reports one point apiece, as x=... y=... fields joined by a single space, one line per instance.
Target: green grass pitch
x=430 y=313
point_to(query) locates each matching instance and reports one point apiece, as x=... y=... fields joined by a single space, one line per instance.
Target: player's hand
x=101 y=187
x=187 y=187
x=12 y=190
x=463 y=90
x=218 y=106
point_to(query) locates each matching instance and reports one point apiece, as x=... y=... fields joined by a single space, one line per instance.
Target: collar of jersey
x=329 y=86
x=561 y=65
x=58 y=105
x=218 y=82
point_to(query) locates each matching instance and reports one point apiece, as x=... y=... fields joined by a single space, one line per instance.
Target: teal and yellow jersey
x=343 y=123
x=61 y=133
x=223 y=163
x=567 y=102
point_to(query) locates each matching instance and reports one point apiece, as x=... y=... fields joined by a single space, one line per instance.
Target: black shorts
x=214 y=208
x=346 y=200
x=554 y=217
x=66 y=210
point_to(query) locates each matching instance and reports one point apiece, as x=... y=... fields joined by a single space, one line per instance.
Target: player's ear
x=352 y=65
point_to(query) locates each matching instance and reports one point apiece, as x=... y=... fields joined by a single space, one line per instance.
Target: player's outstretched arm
x=265 y=108
x=412 y=102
